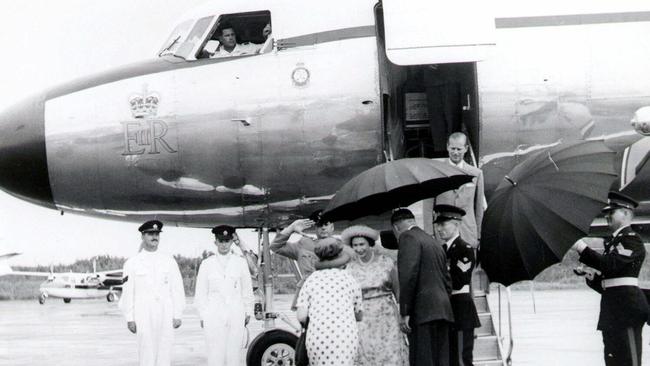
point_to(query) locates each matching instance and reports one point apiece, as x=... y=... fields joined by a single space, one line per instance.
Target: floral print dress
x=381 y=340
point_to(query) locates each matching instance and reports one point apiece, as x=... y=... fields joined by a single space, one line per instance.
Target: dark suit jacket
x=424 y=280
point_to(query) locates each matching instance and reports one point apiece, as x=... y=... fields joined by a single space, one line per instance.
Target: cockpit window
x=238 y=35
x=175 y=38
x=197 y=34
x=180 y=45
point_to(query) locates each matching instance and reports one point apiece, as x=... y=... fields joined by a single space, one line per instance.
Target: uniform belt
x=462 y=290
x=621 y=281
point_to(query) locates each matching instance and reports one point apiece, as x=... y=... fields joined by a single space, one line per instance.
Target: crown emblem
x=155 y=226
x=145 y=104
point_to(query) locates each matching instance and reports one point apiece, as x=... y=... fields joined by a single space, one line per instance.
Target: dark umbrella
x=542 y=207
x=397 y=183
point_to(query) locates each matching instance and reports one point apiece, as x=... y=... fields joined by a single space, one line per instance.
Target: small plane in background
x=71 y=285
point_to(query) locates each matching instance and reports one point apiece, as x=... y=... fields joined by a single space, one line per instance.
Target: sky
x=45 y=43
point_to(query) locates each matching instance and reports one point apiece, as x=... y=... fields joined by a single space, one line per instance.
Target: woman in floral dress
x=381 y=340
x=331 y=299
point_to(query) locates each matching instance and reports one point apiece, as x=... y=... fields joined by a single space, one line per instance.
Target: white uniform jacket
x=223 y=282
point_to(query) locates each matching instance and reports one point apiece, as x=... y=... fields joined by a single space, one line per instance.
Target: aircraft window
x=194 y=38
x=238 y=35
x=174 y=41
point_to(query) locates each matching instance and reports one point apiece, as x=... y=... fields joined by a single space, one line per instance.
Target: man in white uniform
x=230 y=47
x=224 y=300
x=153 y=298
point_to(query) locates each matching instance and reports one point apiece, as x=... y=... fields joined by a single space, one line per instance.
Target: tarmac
x=559 y=330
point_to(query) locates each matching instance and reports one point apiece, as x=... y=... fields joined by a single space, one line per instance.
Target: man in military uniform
x=623 y=306
x=224 y=300
x=425 y=286
x=461 y=261
x=153 y=297
x=302 y=251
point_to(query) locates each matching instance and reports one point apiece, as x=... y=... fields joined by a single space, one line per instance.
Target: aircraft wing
x=25 y=273
x=111 y=278
x=8 y=255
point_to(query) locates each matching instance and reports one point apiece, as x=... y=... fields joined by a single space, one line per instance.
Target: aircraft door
x=430 y=32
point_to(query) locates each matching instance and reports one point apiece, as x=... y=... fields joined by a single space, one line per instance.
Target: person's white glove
x=579 y=246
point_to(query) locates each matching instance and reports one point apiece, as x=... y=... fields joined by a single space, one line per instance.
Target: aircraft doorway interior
x=424 y=104
x=430 y=102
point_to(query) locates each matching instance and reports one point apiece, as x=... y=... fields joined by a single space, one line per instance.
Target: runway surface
x=92 y=332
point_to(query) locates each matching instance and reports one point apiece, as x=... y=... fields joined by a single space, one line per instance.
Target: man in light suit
x=425 y=287
x=469 y=197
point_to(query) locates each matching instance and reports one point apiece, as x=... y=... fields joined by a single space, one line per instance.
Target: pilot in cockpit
x=229 y=46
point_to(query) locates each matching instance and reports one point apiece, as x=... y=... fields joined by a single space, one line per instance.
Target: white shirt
x=619 y=230
x=450 y=241
x=240 y=49
x=460 y=165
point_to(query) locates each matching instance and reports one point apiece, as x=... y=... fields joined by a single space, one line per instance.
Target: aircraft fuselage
x=265 y=138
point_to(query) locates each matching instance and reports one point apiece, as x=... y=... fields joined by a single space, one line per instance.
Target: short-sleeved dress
x=382 y=341
x=332 y=296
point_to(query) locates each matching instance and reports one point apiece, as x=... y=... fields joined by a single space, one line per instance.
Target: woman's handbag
x=301 y=347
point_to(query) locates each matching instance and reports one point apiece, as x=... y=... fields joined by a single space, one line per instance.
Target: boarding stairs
x=491 y=348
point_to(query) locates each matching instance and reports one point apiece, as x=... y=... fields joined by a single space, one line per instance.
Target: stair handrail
x=508 y=358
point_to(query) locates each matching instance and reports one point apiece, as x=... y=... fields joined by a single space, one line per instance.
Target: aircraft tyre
x=110 y=297
x=67 y=300
x=41 y=299
x=275 y=347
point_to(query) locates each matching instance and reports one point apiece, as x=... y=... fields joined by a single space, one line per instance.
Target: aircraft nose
x=23 y=160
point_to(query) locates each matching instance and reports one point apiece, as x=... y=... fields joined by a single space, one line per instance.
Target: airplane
x=71 y=285
x=266 y=137
x=258 y=139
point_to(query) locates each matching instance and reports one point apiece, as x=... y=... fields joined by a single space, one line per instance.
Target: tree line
x=26 y=287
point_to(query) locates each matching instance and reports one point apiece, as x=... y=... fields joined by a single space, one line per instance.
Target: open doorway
x=424 y=104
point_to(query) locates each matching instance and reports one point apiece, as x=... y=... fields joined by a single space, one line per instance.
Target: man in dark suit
x=623 y=306
x=461 y=259
x=425 y=286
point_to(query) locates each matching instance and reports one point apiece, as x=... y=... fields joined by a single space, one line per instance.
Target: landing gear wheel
x=273 y=348
x=111 y=297
x=41 y=299
x=67 y=300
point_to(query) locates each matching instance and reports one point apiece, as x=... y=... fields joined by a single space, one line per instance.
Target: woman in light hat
x=331 y=300
x=381 y=341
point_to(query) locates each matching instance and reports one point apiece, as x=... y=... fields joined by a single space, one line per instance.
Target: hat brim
x=358 y=230
x=611 y=207
x=151 y=231
x=608 y=208
x=440 y=219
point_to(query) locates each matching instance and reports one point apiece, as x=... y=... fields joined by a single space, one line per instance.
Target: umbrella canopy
x=397 y=183
x=542 y=207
